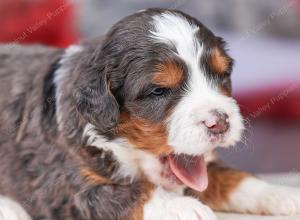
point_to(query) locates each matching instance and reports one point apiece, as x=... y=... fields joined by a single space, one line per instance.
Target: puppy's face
x=171 y=79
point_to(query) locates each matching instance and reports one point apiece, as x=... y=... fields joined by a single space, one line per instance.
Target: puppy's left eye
x=159 y=91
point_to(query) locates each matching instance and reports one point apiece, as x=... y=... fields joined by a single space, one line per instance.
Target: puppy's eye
x=158 y=91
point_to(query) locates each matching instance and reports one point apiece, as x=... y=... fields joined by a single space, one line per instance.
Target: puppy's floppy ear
x=95 y=101
x=83 y=93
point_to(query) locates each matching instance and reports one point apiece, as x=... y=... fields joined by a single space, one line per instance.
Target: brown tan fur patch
x=138 y=211
x=144 y=135
x=221 y=182
x=169 y=75
x=93 y=177
x=219 y=62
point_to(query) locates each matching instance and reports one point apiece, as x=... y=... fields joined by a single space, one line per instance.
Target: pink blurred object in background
x=281 y=103
x=35 y=21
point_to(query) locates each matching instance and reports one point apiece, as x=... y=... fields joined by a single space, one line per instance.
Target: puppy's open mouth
x=186 y=169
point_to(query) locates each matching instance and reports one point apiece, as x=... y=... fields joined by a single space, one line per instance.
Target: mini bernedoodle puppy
x=124 y=127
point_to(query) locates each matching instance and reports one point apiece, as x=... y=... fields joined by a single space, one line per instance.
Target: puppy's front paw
x=258 y=197
x=280 y=200
x=170 y=206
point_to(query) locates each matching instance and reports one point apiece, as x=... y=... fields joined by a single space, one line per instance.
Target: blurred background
x=263 y=37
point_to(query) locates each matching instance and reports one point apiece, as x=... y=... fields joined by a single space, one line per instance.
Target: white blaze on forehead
x=175 y=30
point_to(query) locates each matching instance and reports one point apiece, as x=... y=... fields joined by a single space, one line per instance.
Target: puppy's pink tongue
x=191 y=170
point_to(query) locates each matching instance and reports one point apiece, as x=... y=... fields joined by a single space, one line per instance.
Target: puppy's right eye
x=158 y=91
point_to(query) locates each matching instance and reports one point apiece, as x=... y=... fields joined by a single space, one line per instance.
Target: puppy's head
x=161 y=81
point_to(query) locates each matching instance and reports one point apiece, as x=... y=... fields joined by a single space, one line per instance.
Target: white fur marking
x=142 y=10
x=123 y=153
x=11 y=210
x=165 y=205
x=69 y=52
x=132 y=161
x=60 y=76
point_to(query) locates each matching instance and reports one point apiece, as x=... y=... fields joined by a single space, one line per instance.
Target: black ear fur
x=93 y=96
x=83 y=93
x=95 y=102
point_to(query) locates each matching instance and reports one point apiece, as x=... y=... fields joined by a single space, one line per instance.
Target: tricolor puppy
x=124 y=127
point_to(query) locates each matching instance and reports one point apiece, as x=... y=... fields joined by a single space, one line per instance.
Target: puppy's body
x=32 y=168
x=100 y=130
x=38 y=170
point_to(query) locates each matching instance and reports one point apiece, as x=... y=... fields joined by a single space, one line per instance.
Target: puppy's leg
x=235 y=191
x=111 y=201
x=138 y=201
x=165 y=205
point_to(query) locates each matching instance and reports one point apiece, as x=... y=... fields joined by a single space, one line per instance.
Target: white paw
x=280 y=200
x=11 y=210
x=170 y=206
x=258 y=197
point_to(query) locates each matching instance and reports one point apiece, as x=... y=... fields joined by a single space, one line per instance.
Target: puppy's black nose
x=217 y=123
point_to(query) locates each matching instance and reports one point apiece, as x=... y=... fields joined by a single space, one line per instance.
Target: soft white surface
x=226 y=216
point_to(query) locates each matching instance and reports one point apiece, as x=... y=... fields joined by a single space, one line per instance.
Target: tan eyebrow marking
x=219 y=62
x=169 y=75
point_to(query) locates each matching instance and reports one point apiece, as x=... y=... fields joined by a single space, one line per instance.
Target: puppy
x=124 y=127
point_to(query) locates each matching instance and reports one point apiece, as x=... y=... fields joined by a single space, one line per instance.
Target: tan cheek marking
x=169 y=75
x=144 y=135
x=137 y=212
x=93 y=177
x=219 y=62
x=222 y=182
